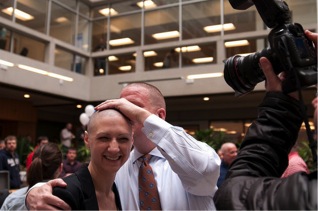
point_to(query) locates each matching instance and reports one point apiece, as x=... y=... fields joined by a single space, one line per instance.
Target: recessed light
x=108 y=11
x=219 y=27
x=121 y=41
x=236 y=43
x=206 y=98
x=166 y=35
x=18 y=14
x=26 y=96
x=79 y=106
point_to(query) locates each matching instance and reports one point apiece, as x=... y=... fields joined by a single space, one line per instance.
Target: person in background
x=9 y=160
x=66 y=137
x=109 y=137
x=185 y=170
x=70 y=164
x=228 y=153
x=2 y=144
x=295 y=163
x=40 y=141
x=46 y=165
x=253 y=181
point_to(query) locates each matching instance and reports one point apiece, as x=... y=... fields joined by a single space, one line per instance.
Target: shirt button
x=150 y=135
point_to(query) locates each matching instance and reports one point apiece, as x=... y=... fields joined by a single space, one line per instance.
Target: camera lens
x=243 y=73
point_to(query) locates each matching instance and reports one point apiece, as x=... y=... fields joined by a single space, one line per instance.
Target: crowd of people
x=130 y=134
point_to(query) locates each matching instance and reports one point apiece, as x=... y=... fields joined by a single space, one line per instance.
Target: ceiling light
x=112 y=58
x=166 y=35
x=121 y=41
x=202 y=60
x=188 y=48
x=147 y=4
x=18 y=14
x=43 y=72
x=32 y=69
x=236 y=43
x=61 y=19
x=78 y=106
x=8 y=64
x=125 y=68
x=26 y=96
x=206 y=98
x=219 y=27
x=158 y=64
x=147 y=53
x=62 y=77
x=206 y=75
x=108 y=11
x=101 y=71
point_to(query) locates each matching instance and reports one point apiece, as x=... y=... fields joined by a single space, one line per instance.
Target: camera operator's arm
x=253 y=179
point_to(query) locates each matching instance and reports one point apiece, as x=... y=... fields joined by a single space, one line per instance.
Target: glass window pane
x=79 y=64
x=63 y=59
x=205 y=54
x=201 y=19
x=5 y=38
x=37 y=11
x=3 y=9
x=69 y=3
x=162 y=25
x=121 y=64
x=125 y=31
x=241 y=20
x=62 y=24
x=99 y=34
x=250 y=46
x=83 y=9
x=29 y=47
x=161 y=59
x=83 y=33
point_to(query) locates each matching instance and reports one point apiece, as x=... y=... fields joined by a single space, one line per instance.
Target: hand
x=312 y=36
x=135 y=113
x=273 y=82
x=41 y=198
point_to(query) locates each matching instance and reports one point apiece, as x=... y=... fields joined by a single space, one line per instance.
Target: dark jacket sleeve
x=253 y=179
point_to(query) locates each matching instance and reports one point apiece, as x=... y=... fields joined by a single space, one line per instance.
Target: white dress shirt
x=186 y=170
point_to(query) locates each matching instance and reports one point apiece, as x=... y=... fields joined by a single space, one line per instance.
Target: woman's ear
x=86 y=140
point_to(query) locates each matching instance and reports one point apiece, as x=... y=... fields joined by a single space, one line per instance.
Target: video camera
x=290 y=51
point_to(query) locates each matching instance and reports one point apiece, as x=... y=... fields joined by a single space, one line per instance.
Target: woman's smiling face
x=109 y=137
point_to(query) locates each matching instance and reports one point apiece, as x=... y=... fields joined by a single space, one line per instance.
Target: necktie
x=148 y=192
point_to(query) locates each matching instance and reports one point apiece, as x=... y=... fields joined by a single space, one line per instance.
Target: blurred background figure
x=70 y=163
x=39 y=142
x=46 y=165
x=9 y=161
x=66 y=137
x=2 y=144
x=227 y=153
x=295 y=163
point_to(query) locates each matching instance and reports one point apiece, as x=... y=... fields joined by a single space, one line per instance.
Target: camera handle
x=312 y=142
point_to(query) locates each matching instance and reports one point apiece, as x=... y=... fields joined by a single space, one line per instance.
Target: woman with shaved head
x=109 y=138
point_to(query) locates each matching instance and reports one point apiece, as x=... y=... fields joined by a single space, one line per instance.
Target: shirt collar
x=135 y=154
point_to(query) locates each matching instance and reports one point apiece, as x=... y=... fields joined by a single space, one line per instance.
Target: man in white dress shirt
x=186 y=170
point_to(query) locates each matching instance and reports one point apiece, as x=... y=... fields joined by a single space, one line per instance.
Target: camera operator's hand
x=273 y=82
x=312 y=36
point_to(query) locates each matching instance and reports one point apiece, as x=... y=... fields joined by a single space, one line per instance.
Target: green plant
x=305 y=152
x=213 y=138
x=83 y=154
x=23 y=149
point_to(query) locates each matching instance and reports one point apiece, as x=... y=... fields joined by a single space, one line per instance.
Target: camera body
x=290 y=51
